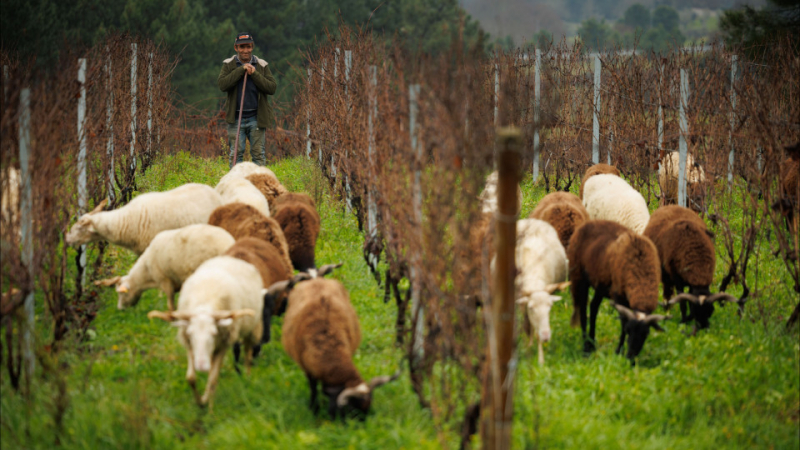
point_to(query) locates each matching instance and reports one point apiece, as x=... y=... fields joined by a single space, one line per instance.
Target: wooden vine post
x=497 y=396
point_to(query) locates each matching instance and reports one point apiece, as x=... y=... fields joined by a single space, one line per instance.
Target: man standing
x=257 y=115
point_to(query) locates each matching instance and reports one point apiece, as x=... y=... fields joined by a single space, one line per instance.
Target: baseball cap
x=243 y=38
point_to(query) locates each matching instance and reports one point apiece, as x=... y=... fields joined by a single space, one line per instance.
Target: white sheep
x=541 y=270
x=235 y=189
x=136 y=224
x=243 y=169
x=609 y=197
x=488 y=196
x=170 y=259
x=695 y=179
x=220 y=303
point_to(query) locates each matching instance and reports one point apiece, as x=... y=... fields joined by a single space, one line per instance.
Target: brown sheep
x=623 y=266
x=321 y=334
x=272 y=268
x=597 y=169
x=241 y=220
x=564 y=211
x=687 y=259
x=300 y=222
x=269 y=185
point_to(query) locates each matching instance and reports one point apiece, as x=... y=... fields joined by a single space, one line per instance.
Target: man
x=257 y=114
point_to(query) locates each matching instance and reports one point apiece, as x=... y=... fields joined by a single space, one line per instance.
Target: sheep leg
x=169 y=290
x=213 y=378
x=313 y=404
x=589 y=344
x=237 y=350
x=248 y=357
x=191 y=378
x=541 y=354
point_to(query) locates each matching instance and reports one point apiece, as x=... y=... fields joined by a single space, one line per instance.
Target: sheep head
x=636 y=325
x=538 y=305
x=357 y=398
x=83 y=231
x=200 y=331
x=126 y=295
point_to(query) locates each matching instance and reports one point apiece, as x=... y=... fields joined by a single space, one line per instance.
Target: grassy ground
x=736 y=385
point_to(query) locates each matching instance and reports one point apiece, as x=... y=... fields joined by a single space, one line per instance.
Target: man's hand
x=249 y=68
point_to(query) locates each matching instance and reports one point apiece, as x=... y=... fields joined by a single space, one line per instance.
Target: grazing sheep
x=321 y=333
x=268 y=185
x=541 y=269
x=240 y=190
x=136 y=224
x=597 y=169
x=564 y=211
x=241 y=220
x=609 y=197
x=174 y=255
x=695 y=181
x=688 y=259
x=219 y=305
x=272 y=268
x=622 y=266
x=300 y=223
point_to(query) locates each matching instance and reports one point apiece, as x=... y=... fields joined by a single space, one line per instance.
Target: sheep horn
x=302 y=276
x=380 y=381
x=683 y=296
x=362 y=390
x=328 y=268
x=628 y=313
x=107 y=281
x=279 y=287
x=550 y=288
x=100 y=206
x=723 y=297
x=653 y=319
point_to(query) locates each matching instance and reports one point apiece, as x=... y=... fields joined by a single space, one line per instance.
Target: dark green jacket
x=229 y=78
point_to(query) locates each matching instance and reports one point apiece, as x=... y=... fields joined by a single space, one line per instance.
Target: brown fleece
x=241 y=220
x=293 y=197
x=790 y=179
x=608 y=256
x=269 y=186
x=321 y=332
x=266 y=258
x=597 y=169
x=685 y=249
x=564 y=211
x=300 y=224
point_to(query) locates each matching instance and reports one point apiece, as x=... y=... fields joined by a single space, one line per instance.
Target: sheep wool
x=242 y=220
x=668 y=179
x=136 y=224
x=564 y=211
x=169 y=261
x=241 y=190
x=597 y=169
x=300 y=223
x=609 y=197
x=268 y=185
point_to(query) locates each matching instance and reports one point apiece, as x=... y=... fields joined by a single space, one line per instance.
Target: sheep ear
x=555 y=298
x=377 y=382
x=225 y=322
x=180 y=323
x=107 y=281
x=623 y=311
x=522 y=301
x=165 y=316
x=279 y=287
x=100 y=206
x=123 y=288
x=328 y=268
x=557 y=286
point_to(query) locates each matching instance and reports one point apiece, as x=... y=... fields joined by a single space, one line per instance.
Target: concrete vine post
x=660 y=115
x=416 y=305
x=348 y=64
x=537 y=96
x=321 y=89
x=82 y=193
x=372 y=209
x=682 y=147
x=499 y=388
x=733 y=119
x=110 y=127
x=596 y=112
x=26 y=224
x=149 y=105
x=335 y=78
x=308 y=121
x=133 y=110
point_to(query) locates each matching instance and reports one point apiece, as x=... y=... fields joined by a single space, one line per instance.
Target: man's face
x=244 y=51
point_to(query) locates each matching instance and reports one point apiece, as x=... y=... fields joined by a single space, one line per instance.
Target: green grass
x=736 y=385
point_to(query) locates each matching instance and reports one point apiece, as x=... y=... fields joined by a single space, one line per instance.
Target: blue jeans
x=254 y=134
